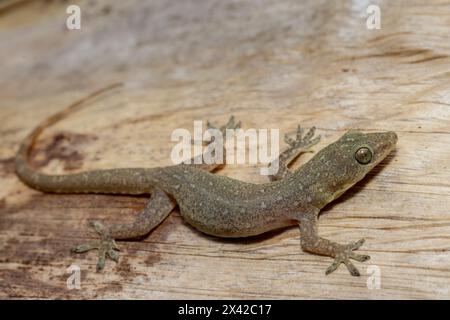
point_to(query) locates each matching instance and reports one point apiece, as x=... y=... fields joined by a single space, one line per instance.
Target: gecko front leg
x=312 y=242
x=301 y=144
x=157 y=209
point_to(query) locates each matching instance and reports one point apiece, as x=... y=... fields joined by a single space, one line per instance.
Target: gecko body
x=226 y=207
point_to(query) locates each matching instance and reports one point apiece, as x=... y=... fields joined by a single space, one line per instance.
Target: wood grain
x=273 y=64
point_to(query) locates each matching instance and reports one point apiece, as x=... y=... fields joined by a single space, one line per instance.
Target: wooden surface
x=273 y=64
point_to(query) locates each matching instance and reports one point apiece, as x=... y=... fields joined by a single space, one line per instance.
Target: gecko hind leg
x=157 y=209
x=302 y=143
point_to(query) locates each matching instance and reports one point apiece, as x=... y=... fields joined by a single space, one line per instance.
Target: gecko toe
x=85 y=247
x=114 y=255
x=357 y=244
x=337 y=261
x=299 y=132
x=351 y=268
x=99 y=228
x=359 y=257
x=101 y=261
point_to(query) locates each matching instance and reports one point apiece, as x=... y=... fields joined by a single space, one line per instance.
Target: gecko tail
x=29 y=175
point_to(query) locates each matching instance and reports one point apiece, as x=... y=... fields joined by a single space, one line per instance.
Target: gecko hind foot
x=106 y=246
x=345 y=253
x=302 y=141
x=231 y=124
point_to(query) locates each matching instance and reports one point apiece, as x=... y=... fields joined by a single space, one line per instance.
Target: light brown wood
x=273 y=64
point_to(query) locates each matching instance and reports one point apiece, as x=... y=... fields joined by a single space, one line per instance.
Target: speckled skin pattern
x=223 y=206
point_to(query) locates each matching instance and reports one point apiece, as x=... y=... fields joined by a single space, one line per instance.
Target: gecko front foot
x=344 y=254
x=106 y=246
x=302 y=141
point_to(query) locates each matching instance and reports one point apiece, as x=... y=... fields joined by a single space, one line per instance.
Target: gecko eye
x=363 y=155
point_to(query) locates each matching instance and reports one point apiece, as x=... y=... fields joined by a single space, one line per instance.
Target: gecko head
x=365 y=150
x=349 y=159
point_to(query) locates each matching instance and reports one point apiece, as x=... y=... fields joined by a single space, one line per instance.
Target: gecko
x=222 y=206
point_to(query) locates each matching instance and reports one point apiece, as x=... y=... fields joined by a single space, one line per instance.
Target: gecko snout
x=392 y=136
x=385 y=142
